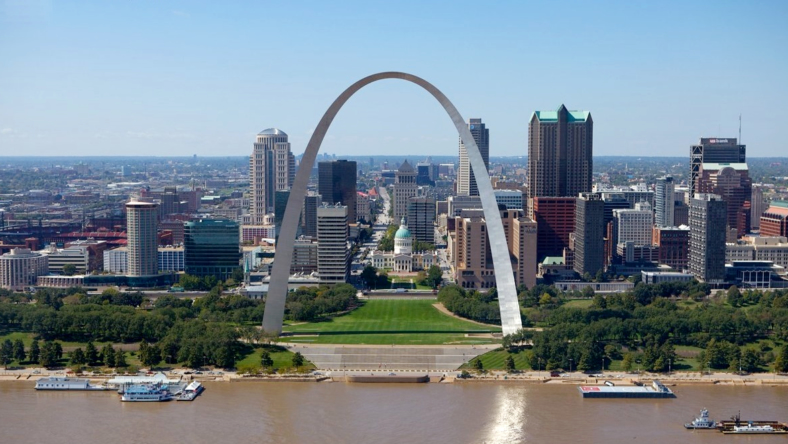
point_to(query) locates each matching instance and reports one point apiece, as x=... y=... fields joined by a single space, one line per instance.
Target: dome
x=272 y=132
x=403 y=232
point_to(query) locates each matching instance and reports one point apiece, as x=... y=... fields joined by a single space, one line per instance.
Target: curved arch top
x=504 y=277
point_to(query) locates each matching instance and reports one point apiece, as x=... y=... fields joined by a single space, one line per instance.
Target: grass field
x=579 y=303
x=403 y=322
x=283 y=359
x=494 y=360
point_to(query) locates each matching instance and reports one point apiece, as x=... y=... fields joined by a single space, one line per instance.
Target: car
x=392 y=374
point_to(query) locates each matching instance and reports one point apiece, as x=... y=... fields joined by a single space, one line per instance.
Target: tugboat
x=191 y=391
x=702 y=421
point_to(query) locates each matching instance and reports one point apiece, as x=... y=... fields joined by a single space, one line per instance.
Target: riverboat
x=191 y=391
x=702 y=421
x=146 y=393
x=745 y=427
x=61 y=383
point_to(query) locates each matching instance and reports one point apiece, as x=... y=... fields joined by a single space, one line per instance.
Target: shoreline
x=449 y=377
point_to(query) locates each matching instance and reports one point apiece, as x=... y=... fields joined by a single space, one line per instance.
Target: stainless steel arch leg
x=504 y=277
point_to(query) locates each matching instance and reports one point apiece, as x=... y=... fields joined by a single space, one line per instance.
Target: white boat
x=61 y=383
x=146 y=393
x=191 y=391
x=702 y=421
x=755 y=429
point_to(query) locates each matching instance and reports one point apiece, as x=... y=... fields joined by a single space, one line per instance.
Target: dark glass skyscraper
x=707 y=217
x=336 y=182
x=589 y=233
x=211 y=247
x=466 y=182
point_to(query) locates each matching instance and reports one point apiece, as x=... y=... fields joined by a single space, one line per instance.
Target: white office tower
x=333 y=254
x=635 y=225
x=271 y=169
x=466 y=183
x=142 y=241
x=405 y=187
x=664 y=202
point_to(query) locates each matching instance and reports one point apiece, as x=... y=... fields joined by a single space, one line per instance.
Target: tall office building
x=271 y=168
x=664 y=202
x=713 y=150
x=560 y=148
x=336 y=182
x=634 y=225
x=280 y=205
x=421 y=219
x=404 y=188
x=589 y=233
x=309 y=214
x=732 y=182
x=708 y=214
x=211 y=248
x=333 y=254
x=466 y=182
x=757 y=207
x=673 y=243
x=141 y=236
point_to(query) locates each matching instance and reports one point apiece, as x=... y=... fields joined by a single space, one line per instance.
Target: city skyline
x=83 y=78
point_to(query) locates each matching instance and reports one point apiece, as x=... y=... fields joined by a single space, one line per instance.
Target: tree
x=434 y=276
x=265 y=360
x=19 y=350
x=626 y=364
x=77 y=357
x=298 y=360
x=69 y=269
x=35 y=351
x=108 y=355
x=781 y=363
x=599 y=301
x=91 y=354
x=48 y=356
x=120 y=358
x=509 y=363
x=6 y=353
x=150 y=356
x=478 y=365
x=369 y=275
x=734 y=296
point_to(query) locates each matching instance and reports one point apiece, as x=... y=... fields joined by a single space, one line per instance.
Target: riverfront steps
x=343 y=357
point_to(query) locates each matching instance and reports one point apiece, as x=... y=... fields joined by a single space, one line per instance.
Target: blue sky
x=189 y=77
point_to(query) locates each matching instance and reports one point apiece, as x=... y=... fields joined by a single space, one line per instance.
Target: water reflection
x=510 y=420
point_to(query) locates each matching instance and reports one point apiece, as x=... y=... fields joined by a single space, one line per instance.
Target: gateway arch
x=504 y=277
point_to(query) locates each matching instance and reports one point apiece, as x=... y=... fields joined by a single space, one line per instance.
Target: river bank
x=494 y=377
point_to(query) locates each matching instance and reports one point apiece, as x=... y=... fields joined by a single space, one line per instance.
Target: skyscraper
x=664 y=202
x=713 y=150
x=589 y=233
x=466 y=183
x=142 y=241
x=708 y=214
x=336 y=182
x=635 y=225
x=732 y=182
x=404 y=188
x=211 y=248
x=421 y=219
x=555 y=219
x=333 y=255
x=271 y=168
x=309 y=214
x=560 y=148
x=757 y=207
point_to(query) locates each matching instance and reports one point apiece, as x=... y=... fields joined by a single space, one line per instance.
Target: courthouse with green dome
x=403 y=259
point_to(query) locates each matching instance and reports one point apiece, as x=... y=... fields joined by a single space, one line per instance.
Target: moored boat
x=146 y=393
x=60 y=383
x=753 y=429
x=191 y=391
x=702 y=421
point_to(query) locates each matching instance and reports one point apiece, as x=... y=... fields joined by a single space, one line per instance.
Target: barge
x=656 y=390
x=60 y=383
x=388 y=379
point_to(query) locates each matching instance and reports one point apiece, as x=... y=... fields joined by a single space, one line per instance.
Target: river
x=259 y=412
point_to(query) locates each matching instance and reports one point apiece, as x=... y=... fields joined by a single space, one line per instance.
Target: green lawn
x=494 y=360
x=393 y=316
x=579 y=303
x=283 y=359
x=400 y=322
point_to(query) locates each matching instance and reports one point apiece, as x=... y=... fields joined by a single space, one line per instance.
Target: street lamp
x=670 y=362
x=570 y=365
x=539 y=373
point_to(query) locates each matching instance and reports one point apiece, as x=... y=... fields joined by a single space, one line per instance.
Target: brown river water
x=260 y=412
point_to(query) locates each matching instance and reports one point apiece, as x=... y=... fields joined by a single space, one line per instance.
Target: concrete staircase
x=399 y=358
